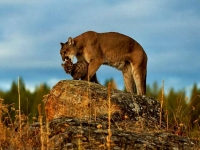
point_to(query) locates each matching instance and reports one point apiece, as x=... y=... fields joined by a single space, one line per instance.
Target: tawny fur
x=113 y=49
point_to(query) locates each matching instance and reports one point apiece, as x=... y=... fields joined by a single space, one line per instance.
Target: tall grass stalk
x=1 y=110
x=48 y=131
x=109 y=117
x=161 y=103
x=2 y=131
x=167 y=121
x=27 y=115
x=90 y=106
x=20 y=123
x=41 y=127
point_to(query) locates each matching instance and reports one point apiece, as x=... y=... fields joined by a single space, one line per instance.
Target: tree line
x=177 y=107
x=29 y=100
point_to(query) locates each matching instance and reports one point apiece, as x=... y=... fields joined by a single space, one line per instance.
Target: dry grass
x=18 y=134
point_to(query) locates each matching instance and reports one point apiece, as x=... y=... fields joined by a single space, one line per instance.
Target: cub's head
x=68 y=50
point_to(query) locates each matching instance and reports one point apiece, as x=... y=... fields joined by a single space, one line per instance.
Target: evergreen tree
x=153 y=91
x=29 y=101
x=40 y=91
x=113 y=83
x=148 y=90
x=12 y=96
x=2 y=94
x=195 y=104
x=175 y=104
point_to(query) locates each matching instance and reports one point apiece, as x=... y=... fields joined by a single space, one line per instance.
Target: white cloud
x=15 y=51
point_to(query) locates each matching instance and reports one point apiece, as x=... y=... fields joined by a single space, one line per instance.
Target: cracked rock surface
x=74 y=98
x=78 y=115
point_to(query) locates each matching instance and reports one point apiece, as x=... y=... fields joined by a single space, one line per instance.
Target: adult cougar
x=113 y=49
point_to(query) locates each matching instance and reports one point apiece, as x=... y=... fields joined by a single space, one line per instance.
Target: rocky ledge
x=85 y=115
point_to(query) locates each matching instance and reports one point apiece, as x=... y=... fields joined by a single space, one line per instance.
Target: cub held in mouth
x=78 y=70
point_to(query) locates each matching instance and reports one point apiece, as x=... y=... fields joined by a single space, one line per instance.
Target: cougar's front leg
x=94 y=79
x=92 y=68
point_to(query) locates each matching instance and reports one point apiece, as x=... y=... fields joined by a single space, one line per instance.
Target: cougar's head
x=68 y=50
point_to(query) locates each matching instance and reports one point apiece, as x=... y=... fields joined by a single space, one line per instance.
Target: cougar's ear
x=70 y=41
x=61 y=44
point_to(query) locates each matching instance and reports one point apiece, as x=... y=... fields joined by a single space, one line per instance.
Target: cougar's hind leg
x=139 y=75
x=128 y=79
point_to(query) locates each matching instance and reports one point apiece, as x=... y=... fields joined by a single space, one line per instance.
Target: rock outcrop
x=81 y=99
x=81 y=117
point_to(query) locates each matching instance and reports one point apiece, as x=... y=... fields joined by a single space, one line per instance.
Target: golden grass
x=11 y=131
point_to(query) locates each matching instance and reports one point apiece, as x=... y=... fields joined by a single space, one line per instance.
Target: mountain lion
x=113 y=49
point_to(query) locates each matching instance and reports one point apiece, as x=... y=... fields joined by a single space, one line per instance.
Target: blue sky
x=168 y=30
